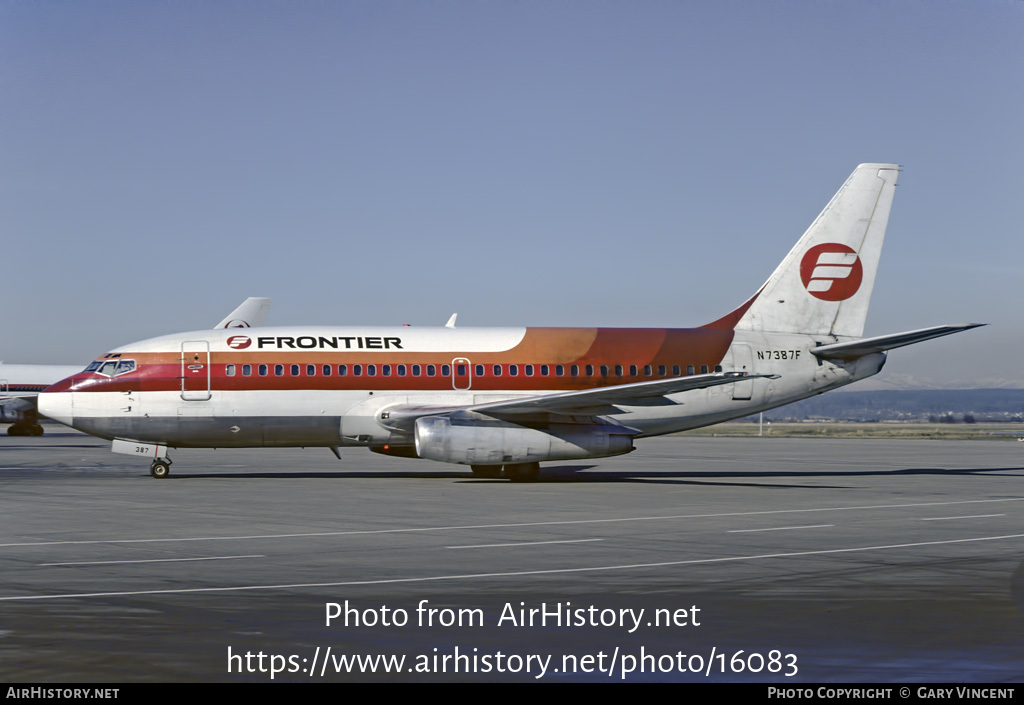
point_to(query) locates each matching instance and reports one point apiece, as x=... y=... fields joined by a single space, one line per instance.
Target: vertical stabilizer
x=824 y=284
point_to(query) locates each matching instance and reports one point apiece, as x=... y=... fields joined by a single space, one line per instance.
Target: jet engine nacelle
x=494 y=442
x=10 y=414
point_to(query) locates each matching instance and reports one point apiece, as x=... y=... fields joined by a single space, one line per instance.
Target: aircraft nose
x=56 y=405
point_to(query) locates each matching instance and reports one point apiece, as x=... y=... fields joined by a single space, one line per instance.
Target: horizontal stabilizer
x=866 y=346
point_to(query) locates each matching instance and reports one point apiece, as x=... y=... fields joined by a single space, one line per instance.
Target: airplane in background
x=251 y=313
x=503 y=400
x=20 y=384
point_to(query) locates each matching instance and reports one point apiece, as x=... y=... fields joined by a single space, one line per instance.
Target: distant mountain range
x=897 y=380
x=937 y=405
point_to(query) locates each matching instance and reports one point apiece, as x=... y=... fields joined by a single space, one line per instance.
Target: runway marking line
x=569 y=522
x=509 y=574
x=154 y=560
x=973 y=516
x=529 y=543
x=780 y=528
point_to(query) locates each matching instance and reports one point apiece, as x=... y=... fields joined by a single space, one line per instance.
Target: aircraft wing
x=866 y=346
x=251 y=313
x=578 y=403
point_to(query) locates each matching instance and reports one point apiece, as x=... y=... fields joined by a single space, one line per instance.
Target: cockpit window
x=111 y=368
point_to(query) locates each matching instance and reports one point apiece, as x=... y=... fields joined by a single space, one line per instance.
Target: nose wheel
x=160 y=468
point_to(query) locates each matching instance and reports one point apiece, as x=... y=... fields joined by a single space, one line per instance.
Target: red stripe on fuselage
x=654 y=347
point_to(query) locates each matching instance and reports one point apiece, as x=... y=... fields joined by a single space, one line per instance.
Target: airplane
x=503 y=400
x=20 y=384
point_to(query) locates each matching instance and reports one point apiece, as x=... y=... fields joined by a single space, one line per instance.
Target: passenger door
x=462 y=376
x=195 y=370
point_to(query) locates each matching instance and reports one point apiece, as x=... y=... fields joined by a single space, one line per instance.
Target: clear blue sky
x=522 y=163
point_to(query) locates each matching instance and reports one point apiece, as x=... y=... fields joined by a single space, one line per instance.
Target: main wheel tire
x=522 y=472
x=486 y=471
x=159 y=469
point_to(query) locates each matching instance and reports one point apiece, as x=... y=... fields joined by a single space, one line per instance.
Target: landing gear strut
x=160 y=468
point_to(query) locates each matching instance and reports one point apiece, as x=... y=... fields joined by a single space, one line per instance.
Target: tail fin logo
x=831 y=271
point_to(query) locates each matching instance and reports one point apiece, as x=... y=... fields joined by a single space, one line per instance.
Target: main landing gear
x=160 y=468
x=486 y=471
x=514 y=472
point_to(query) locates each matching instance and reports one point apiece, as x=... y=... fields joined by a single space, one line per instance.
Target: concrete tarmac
x=691 y=559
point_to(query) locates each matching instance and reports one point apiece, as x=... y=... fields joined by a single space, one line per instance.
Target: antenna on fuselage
x=451 y=321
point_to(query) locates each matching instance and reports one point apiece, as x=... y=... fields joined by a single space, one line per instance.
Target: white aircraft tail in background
x=250 y=314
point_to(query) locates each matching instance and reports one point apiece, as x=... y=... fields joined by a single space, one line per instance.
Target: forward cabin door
x=195 y=370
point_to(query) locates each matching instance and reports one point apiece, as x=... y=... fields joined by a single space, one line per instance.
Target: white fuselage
x=196 y=389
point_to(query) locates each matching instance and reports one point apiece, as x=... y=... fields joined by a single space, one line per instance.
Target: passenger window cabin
x=111 y=368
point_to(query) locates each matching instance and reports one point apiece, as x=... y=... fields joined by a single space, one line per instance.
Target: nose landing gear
x=160 y=468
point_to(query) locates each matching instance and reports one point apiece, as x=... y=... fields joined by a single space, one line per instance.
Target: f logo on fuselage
x=239 y=342
x=831 y=271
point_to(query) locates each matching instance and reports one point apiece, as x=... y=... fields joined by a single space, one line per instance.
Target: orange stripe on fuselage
x=539 y=346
